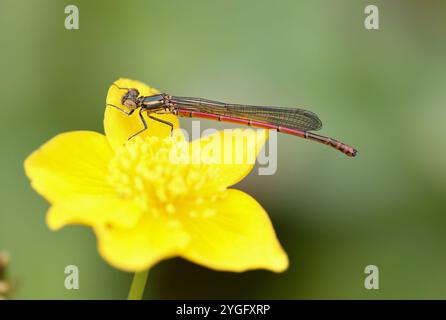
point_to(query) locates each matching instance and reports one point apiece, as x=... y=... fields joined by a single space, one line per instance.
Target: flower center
x=143 y=171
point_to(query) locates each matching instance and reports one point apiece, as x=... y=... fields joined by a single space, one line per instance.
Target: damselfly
x=292 y=121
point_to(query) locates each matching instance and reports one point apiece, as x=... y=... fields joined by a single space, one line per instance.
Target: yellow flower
x=142 y=206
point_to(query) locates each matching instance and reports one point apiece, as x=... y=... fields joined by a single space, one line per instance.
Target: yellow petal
x=72 y=163
x=136 y=249
x=94 y=211
x=234 y=235
x=119 y=127
x=230 y=153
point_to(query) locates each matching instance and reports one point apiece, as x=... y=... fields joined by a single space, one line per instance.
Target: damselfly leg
x=128 y=113
x=141 y=116
x=163 y=121
x=153 y=118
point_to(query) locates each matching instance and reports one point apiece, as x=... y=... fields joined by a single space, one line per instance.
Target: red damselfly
x=292 y=121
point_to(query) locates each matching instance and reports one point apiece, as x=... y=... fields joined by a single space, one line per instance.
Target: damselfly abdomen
x=292 y=121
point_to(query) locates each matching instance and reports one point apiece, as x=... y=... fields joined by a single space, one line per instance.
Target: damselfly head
x=130 y=99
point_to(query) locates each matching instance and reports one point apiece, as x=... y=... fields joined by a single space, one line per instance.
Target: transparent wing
x=281 y=116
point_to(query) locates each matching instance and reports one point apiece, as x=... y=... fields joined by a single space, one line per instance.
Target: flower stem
x=138 y=285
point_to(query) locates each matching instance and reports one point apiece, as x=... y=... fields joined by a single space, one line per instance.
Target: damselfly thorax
x=294 y=121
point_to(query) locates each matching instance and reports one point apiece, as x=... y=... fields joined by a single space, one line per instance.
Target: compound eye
x=134 y=92
x=129 y=103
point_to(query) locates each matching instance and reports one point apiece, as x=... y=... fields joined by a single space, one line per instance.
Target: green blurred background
x=381 y=91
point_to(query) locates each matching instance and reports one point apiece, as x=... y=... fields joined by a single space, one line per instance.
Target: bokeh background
x=381 y=91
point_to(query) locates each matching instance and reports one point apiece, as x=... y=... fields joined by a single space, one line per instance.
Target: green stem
x=138 y=285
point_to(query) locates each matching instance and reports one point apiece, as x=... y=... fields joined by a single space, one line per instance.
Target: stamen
x=142 y=171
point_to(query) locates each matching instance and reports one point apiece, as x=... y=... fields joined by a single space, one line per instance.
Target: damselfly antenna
x=120 y=88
